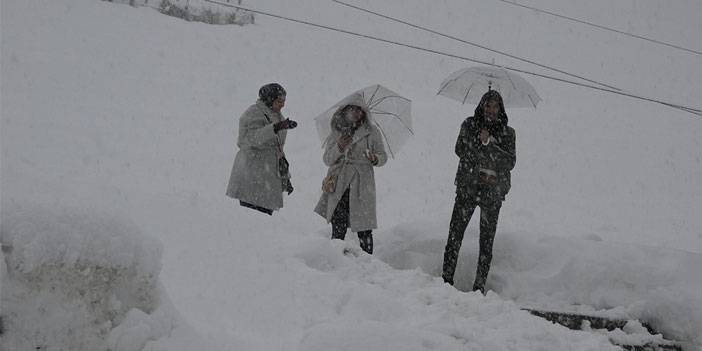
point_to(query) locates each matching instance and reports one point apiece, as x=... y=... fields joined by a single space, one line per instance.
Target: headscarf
x=269 y=92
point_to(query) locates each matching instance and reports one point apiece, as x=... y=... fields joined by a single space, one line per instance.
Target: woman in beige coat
x=260 y=173
x=352 y=149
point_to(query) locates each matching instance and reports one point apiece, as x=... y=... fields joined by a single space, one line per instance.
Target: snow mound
x=76 y=279
x=368 y=305
x=74 y=240
x=625 y=281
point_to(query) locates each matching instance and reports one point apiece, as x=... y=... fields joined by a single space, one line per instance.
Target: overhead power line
x=676 y=106
x=603 y=27
x=471 y=43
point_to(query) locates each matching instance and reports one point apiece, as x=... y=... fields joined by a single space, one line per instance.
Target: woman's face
x=354 y=115
x=278 y=104
x=491 y=110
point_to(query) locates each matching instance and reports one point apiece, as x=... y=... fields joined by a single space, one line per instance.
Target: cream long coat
x=355 y=172
x=254 y=177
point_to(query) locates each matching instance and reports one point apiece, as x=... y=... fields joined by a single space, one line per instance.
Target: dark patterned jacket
x=499 y=156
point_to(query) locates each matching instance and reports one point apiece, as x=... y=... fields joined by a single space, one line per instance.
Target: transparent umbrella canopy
x=469 y=84
x=390 y=112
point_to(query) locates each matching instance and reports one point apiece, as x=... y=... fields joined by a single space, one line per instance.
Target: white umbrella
x=390 y=112
x=469 y=85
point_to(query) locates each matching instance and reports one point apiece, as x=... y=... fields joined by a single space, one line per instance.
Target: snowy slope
x=134 y=113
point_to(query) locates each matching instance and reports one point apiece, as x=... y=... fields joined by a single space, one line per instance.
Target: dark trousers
x=463 y=210
x=340 y=224
x=257 y=208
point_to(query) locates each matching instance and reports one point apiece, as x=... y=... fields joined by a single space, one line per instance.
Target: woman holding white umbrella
x=486 y=148
x=352 y=149
x=487 y=152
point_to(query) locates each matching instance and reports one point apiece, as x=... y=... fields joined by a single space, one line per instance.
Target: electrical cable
x=688 y=109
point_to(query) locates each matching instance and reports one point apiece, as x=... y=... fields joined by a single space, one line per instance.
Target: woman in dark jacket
x=486 y=147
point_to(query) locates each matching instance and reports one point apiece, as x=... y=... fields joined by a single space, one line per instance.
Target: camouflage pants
x=463 y=210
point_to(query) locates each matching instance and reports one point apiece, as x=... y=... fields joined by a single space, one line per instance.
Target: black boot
x=448 y=280
x=366 y=239
x=479 y=283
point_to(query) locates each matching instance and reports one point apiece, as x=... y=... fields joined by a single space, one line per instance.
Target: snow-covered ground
x=119 y=124
x=81 y=280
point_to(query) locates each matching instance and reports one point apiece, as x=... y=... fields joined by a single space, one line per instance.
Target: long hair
x=491 y=95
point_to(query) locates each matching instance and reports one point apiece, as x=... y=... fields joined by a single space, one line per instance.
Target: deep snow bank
x=79 y=280
x=585 y=275
x=368 y=305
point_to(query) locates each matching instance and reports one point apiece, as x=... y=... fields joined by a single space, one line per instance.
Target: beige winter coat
x=355 y=172
x=254 y=178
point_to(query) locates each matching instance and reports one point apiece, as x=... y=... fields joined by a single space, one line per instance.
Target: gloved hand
x=285 y=124
x=288 y=186
x=371 y=157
